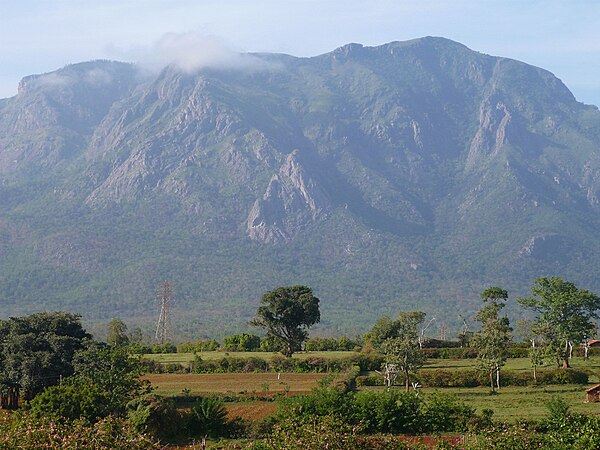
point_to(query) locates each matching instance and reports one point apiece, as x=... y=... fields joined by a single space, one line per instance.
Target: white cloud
x=49 y=79
x=193 y=51
x=98 y=77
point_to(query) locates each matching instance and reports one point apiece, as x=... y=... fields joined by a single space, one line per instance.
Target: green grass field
x=514 y=402
x=510 y=403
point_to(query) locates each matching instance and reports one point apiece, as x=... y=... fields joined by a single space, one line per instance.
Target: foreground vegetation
x=478 y=392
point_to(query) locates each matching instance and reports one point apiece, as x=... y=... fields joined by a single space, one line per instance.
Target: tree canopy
x=564 y=311
x=106 y=378
x=36 y=351
x=286 y=313
x=117 y=333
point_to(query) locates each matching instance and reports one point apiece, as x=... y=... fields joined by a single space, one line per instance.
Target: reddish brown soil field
x=234 y=383
x=253 y=411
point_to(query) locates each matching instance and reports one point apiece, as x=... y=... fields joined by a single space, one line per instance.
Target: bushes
x=241 y=343
x=164 y=348
x=443 y=378
x=559 y=431
x=149 y=366
x=300 y=434
x=322 y=401
x=444 y=412
x=450 y=353
x=71 y=402
x=159 y=417
x=312 y=364
x=154 y=415
x=449 y=378
x=230 y=364
x=562 y=376
x=331 y=344
x=391 y=411
x=25 y=431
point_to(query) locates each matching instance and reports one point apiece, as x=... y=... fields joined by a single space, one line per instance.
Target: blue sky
x=40 y=36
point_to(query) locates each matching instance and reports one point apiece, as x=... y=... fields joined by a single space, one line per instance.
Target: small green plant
x=558 y=409
x=208 y=417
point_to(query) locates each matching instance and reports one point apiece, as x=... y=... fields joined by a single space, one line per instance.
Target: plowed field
x=233 y=383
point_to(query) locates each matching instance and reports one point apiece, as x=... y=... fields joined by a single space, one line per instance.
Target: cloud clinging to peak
x=192 y=51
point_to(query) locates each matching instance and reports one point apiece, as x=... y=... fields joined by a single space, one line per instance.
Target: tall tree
x=286 y=313
x=565 y=311
x=36 y=351
x=402 y=352
x=494 y=338
x=117 y=333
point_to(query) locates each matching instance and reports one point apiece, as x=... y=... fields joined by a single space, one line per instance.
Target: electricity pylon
x=163 y=326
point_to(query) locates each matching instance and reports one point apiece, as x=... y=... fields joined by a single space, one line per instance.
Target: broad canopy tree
x=565 y=312
x=286 y=313
x=36 y=351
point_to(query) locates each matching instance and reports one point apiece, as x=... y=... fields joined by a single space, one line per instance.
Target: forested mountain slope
x=409 y=175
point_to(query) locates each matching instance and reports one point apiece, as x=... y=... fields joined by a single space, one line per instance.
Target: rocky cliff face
x=291 y=202
x=419 y=164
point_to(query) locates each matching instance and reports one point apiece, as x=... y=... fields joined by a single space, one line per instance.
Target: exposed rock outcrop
x=292 y=201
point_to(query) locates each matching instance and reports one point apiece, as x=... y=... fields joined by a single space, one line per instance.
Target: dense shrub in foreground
x=27 y=432
x=71 y=402
x=393 y=411
x=328 y=432
x=155 y=415
x=443 y=412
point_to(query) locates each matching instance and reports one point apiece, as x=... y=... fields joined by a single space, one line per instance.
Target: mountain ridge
x=470 y=169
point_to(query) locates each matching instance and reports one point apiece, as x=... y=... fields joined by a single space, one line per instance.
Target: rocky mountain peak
x=351 y=166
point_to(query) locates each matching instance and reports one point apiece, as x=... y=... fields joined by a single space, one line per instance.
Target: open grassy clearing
x=233 y=383
x=510 y=404
x=515 y=402
x=524 y=402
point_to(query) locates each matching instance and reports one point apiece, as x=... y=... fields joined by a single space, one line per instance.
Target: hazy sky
x=43 y=35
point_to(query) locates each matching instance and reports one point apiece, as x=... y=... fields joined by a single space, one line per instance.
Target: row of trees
x=37 y=351
x=565 y=316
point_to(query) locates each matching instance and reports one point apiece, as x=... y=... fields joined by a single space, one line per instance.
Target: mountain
x=409 y=175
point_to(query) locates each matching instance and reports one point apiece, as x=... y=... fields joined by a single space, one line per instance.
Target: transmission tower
x=163 y=326
x=443 y=331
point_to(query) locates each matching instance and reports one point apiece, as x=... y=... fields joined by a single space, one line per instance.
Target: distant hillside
x=409 y=175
